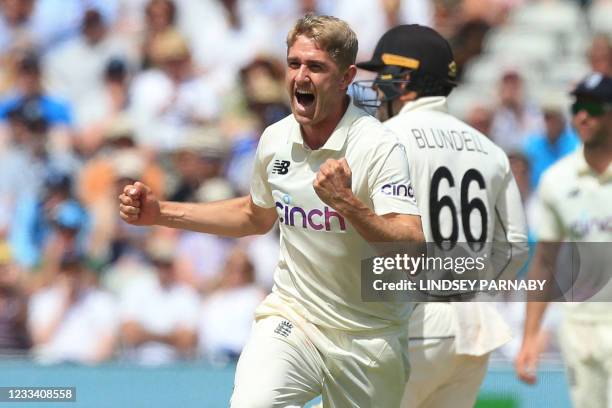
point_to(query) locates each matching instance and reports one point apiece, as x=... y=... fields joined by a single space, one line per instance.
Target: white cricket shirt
x=466 y=192
x=574 y=204
x=318 y=273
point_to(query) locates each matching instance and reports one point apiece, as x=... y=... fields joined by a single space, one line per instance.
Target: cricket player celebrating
x=465 y=192
x=320 y=172
x=574 y=205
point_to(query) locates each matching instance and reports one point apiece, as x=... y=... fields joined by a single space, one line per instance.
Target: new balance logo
x=281 y=167
x=284 y=328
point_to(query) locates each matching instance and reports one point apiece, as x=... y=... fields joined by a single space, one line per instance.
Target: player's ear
x=347 y=78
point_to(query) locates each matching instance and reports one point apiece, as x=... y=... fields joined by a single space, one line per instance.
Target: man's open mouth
x=304 y=98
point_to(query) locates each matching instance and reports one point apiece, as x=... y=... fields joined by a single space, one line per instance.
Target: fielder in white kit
x=465 y=192
x=321 y=173
x=574 y=205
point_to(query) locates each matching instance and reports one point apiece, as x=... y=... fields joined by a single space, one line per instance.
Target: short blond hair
x=331 y=34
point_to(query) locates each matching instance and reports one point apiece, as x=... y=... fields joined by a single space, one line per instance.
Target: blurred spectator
x=22 y=161
x=16 y=25
x=262 y=83
x=480 y=117
x=118 y=163
x=97 y=179
x=263 y=89
x=42 y=24
x=168 y=99
x=83 y=59
x=25 y=161
x=14 y=339
x=119 y=248
x=200 y=258
x=98 y=114
x=48 y=223
x=159 y=317
x=68 y=235
x=452 y=17
x=29 y=87
x=198 y=157
x=160 y=17
x=72 y=320
x=515 y=116
x=128 y=264
x=123 y=168
x=558 y=139
x=522 y=174
x=9 y=67
x=375 y=17
x=467 y=42
x=226 y=35
x=600 y=54
x=227 y=314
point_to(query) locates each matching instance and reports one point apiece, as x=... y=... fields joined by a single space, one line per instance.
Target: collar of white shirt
x=437 y=103
x=338 y=137
x=585 y=169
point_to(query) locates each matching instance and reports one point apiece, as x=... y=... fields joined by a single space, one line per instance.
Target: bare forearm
x=231 y=218
x=533 y=320
x=542 y=269
x=537 y=305
x=135 y=335
x=104 y=350
x=378 y=228
x=182 y=339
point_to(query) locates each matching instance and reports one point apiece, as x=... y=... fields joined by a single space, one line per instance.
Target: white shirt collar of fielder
x=437 y=103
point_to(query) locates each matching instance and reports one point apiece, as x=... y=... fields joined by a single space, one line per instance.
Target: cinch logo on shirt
x=582 y=228
x=326 y=219
x=398 y=190
x=281 y=167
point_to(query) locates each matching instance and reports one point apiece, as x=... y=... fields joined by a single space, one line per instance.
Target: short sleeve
x=548 y=226
x=261 y=193
x=391 y=189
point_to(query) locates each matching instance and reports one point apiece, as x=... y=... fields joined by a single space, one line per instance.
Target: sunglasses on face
x=594 y=109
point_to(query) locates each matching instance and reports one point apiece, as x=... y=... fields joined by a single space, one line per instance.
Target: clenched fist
x=333 y=183
x=138 y=205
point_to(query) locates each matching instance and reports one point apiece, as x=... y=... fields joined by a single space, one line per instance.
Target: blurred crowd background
x=95 y=94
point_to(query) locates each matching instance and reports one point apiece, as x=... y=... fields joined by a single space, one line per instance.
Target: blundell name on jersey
x=447 y=139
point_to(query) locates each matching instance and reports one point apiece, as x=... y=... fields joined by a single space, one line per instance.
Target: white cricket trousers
x=587 y=352
x=285 y=364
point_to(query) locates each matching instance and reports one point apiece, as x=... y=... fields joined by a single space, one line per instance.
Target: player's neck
x=599 y=156
x=316 y=135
